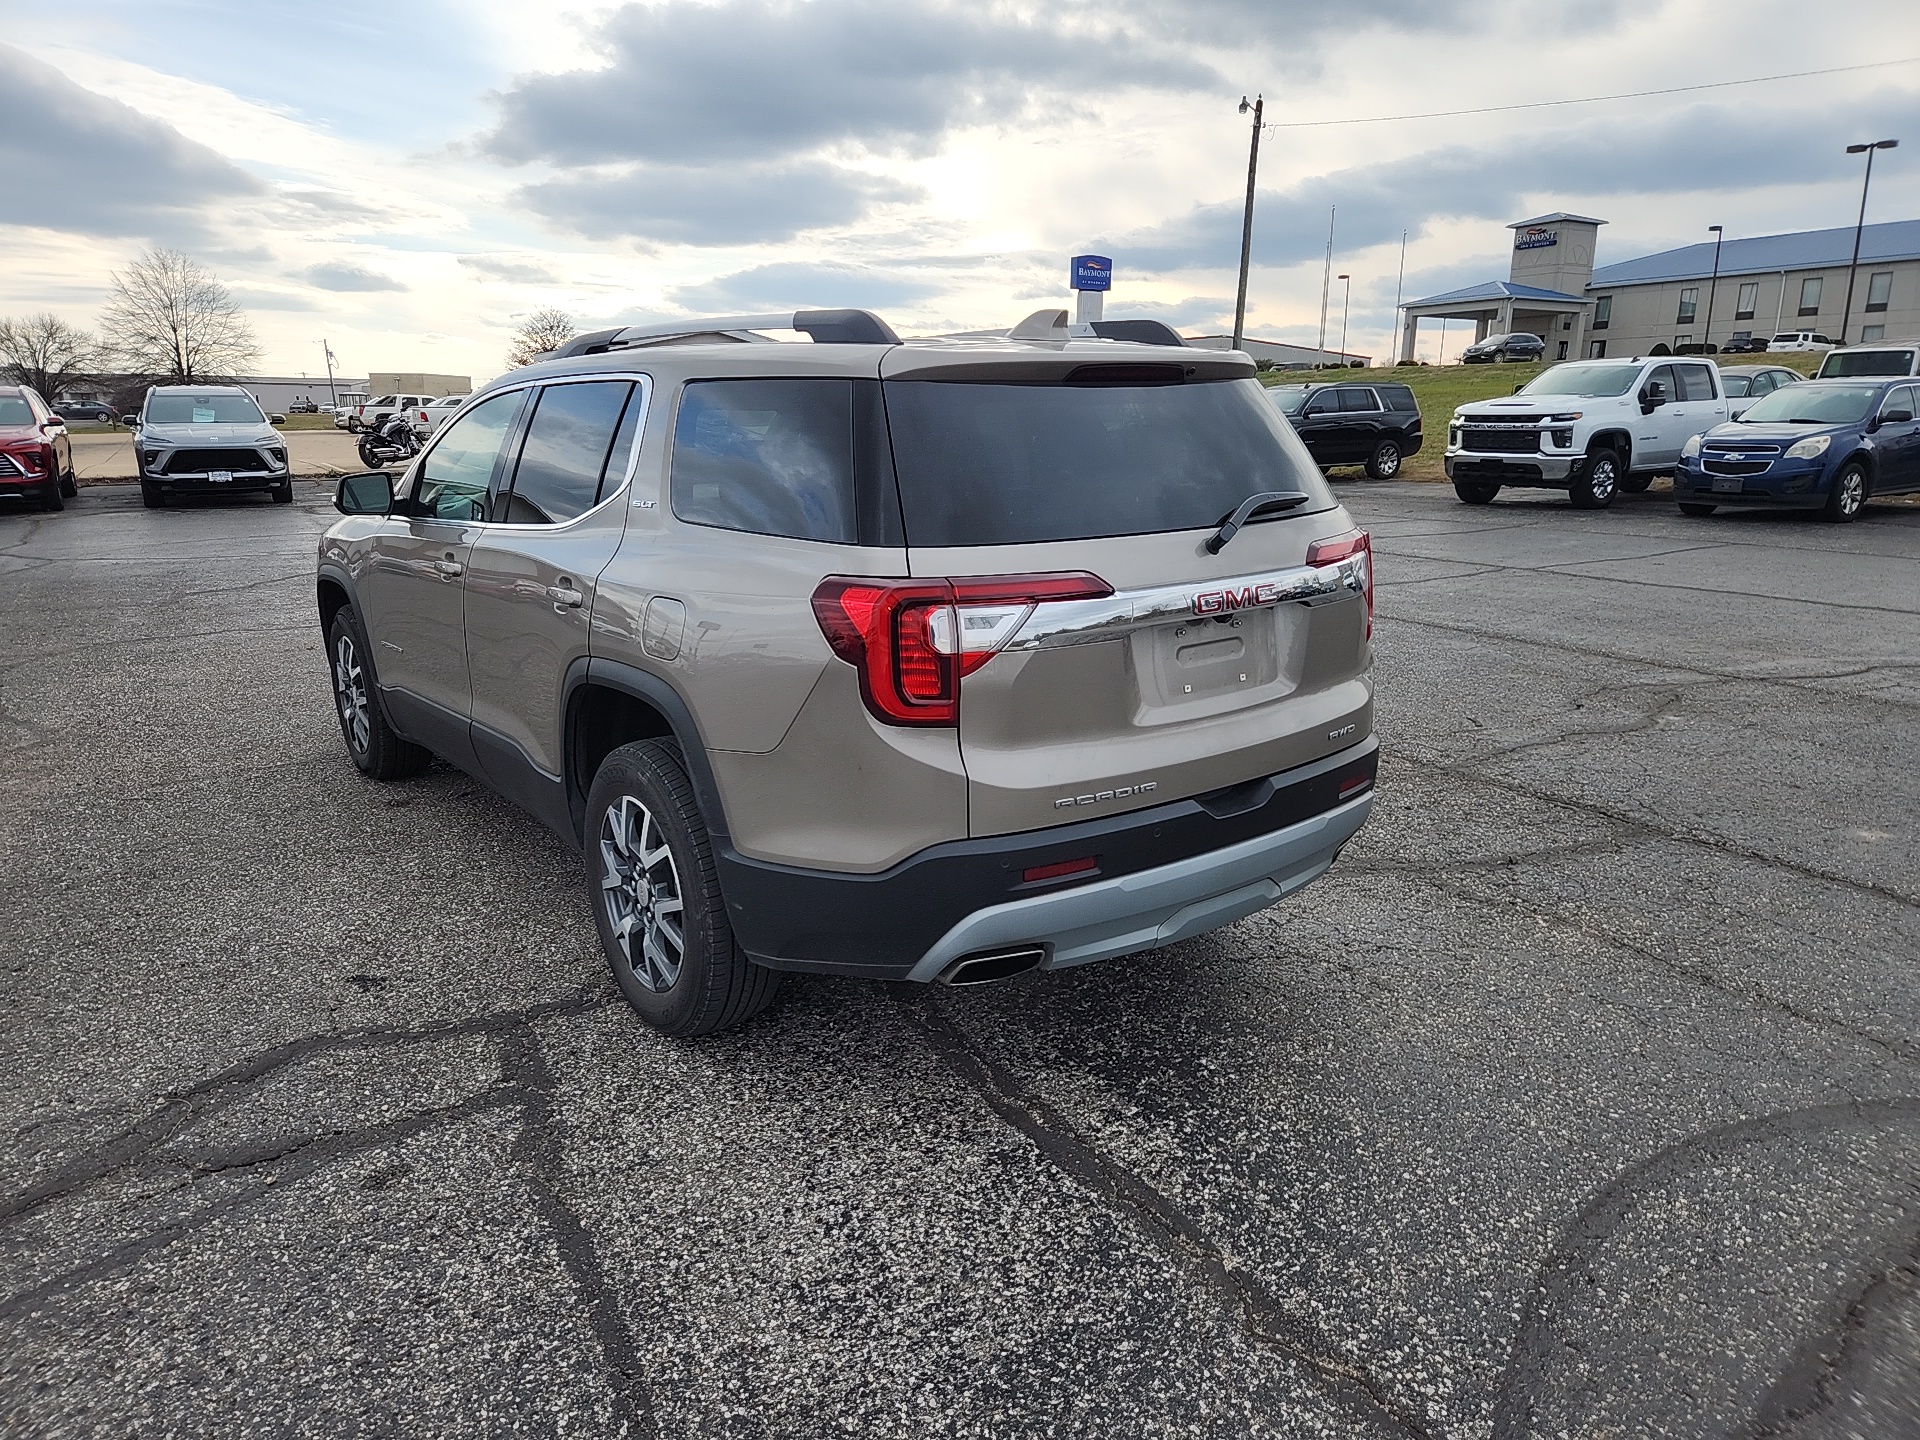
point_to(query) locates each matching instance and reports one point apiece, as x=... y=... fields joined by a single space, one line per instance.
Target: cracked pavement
x=1580 y=1099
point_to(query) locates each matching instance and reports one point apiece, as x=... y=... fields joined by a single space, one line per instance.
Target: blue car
x=1823 y=445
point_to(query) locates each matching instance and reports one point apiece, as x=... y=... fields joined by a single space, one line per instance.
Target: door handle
x=449 y=569
x=565 y=597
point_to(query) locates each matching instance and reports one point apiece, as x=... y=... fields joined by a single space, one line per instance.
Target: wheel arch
x=1619 y=441
x=608 y=704
x=333 y=593
x=1865 y=457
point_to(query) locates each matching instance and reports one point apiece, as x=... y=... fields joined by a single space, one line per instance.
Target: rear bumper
x=1163 y=874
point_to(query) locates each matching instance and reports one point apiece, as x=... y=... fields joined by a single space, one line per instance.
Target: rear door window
x=1696 y=382
x=1084 y=457
x=1354 y=399
x=565 y=456
x=772 y=457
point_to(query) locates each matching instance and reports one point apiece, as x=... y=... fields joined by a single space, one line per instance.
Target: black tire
x=150 y=496
x=70 y=484
x=1635 y=484
x=283 y=492
x=53 y=497
x=1476 y=492
x=640 y=800
x=376 y=749
x=367 y=456
x=1847 y=495
x=353 y=424
x=1597 y=481
x=1687 y=507
x=1384 y=463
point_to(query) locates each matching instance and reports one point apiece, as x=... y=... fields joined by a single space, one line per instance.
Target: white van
x=1804 y=341
x=1900 y=358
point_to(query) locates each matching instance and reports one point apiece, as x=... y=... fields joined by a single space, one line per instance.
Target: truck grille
x=1500 y=442
x=196 y=462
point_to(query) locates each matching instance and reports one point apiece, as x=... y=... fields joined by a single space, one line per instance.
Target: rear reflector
x=1085 y=865
x=1355 y=545
x=913 y=641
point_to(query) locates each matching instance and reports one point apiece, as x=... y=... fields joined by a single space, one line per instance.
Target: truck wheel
x=1687 y=508
x=1476 y=492
x=657 y=902
x=1635 y=484
x=1848 y=493
x=1384 y=463
x=376 y=749
x=1594 y=487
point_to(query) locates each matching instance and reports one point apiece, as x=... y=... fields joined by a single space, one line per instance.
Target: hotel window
x=1749 y=297
x=1566 y=322
x=1596 y=349
x=1689 y=303
x=1810 y=296
x=1602 y=312
x=1880 y=290
x=1871 y=333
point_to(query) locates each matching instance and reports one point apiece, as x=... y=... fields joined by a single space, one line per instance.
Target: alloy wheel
x=1853 y=493
x=640 y=887
x=1605 y=477
x=350 y=692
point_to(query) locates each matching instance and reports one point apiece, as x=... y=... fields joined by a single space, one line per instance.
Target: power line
x=1585 y=99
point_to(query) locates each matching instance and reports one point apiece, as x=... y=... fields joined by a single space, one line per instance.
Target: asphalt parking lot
x=1581 y=1099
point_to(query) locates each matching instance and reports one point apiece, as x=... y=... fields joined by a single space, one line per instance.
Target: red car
x=36 y=455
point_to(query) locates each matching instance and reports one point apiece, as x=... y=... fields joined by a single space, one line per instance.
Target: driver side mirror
x=130 y=421
x=276 y=419
x=1653 y=396
x=1521 y=386
x=1896 y=417
x=369 y=494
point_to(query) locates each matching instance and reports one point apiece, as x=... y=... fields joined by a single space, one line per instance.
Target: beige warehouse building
x=1767 y=284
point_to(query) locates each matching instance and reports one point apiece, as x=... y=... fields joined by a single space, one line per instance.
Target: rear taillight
x=1354 y=545
x=914 y=640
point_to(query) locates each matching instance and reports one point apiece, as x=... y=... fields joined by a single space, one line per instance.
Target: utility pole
x=1246 y=223
x=1345 y=300
x=1398 y=286
x=1706 y=333
x=332 y=393
x=1858 y=225
x=1326 y=276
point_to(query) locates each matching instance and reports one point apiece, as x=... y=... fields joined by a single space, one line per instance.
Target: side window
x=772 y=457
x=383 y=402
x=1354 y=398
x=1662 y=375
x=1900 y=398
x=1696 y=381
x=451 y=483
x=1322 y=402
x=1761 y=384
x=565 y=453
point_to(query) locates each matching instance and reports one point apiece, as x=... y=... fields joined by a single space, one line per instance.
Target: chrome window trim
x=1058 y=623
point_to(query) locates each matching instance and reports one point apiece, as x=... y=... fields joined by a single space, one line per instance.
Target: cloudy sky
x=408 y=179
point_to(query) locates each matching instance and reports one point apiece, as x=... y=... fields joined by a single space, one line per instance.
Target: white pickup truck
x=1590 y=427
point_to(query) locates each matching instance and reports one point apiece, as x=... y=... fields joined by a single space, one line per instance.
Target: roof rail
x=823 y=327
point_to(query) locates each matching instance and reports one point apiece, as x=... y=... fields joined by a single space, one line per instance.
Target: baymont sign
x=1535 y=237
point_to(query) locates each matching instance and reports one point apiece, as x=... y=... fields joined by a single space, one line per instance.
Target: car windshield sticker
x=203 y=416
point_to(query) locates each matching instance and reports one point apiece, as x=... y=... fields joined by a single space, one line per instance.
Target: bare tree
x=543 y=330
x=46 y=352
x=170 y=319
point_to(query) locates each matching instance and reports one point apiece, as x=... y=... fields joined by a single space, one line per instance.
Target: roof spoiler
x=823 y=327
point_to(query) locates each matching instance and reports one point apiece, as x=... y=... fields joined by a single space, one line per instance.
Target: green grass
x=1439 y=389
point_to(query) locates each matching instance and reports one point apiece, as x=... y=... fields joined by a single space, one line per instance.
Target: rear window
x=773 y=457
x=183 y=409
x=1843 y=364
x=1010 y=464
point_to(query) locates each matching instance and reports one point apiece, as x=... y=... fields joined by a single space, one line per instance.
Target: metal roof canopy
x=1493 y=295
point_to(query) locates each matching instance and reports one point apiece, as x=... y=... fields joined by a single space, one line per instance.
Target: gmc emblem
x=1224 y=602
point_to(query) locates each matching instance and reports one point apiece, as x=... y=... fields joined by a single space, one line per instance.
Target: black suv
x=1373 y=425
x=1496 y=348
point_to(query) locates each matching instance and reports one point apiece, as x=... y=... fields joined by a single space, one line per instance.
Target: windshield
x=1814 y=405
x=1290 y=400
x=1009 y=464
x=187 y=409
x=1843 y=363
x=1587 y=380
x=14 y=410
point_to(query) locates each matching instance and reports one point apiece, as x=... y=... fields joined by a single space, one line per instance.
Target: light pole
x=1346 y=298
x=1398 y=286
x=1326 y=272
x=1706 y=332
x=1847 y=313
x=1246 y=223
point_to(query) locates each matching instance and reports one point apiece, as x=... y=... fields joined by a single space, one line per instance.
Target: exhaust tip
x=992 y=965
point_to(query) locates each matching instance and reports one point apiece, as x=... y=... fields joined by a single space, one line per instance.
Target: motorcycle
x=390 y=441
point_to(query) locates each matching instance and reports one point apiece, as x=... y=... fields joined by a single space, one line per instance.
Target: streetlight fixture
x=1847 y=313
x=1706 y=332
x=1345 y=298
x=1246 y=224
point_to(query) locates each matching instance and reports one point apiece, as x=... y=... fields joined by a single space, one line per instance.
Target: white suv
x=1589 y=427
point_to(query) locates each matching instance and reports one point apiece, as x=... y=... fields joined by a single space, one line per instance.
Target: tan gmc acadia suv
x=914 y=660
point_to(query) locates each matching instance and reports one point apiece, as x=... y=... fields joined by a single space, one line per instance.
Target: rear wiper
x=1247 y=509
